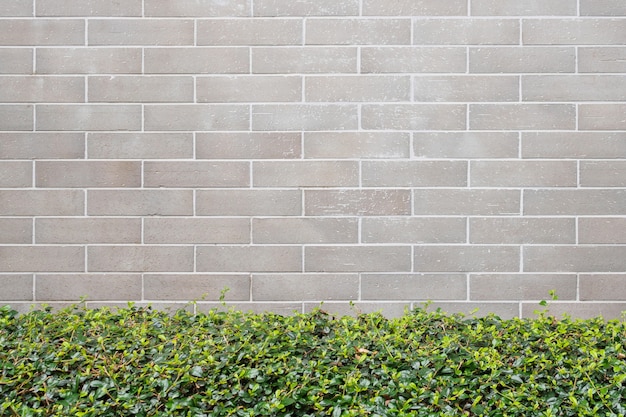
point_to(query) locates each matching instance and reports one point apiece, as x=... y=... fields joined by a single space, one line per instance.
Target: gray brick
x=305 y=230
x=522 y=286
x=465 y=258
x=16 y=117
x=195 y=230
x=511 y=116
x=601 y=230
x=41 y=203
x=88 y=117
x=16 y=61
x=357 y=258
x=305 y=174
x=358 y=31
x=29 y=89
x=248 y=145
x=196 y=174
x=249 y=258
x=87 y=230
x=84 y=174
x=574 y=202
x=478 y=309
x=16 y=8
x=573 y=145
x=198 y=60
x=357 y=202
x=133 y=89
x=465 y=144
x=144 y=258
x=168 y=307
x=602 y=59
x=340 y=309
x=271 y=307
x=519 y=59
x=249 y=202
x=88 y=60
x=415 y=8
x=196 y=287
x=574 y=258
x=42 y=32
x=574 y=88
x=196 y=117
x=64 y=8
x=139 y=145
x=466 y=202
x=356 y=145
x=413 y=230
x=197 y=8
x=92 y=287
x=520 y=230
x=465 y=31
x=575 y=311
x=304 y=60
x=524 y=8
x=139 y=202
x=357 y=88
x=249 y=32
x=305 y=287
x=573 y=32
x=413 y=287
x=602 y=287
x=16 y=231
x=42 y=258
x=414 y=116
x=16 y=174
x=39 y=145
x=246 y=88
x=603 y=173
x=414 y=173
x=602 y=8
x=304 y=117
x=407 y=59
x=306 y=8
x=602 y=116
x=16 y=287
x=523 y=173
x=466 y=88
x=154 y=32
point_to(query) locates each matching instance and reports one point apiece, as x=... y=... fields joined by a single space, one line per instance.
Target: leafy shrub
x=139 y=362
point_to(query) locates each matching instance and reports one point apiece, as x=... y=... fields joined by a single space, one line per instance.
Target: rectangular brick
x=305 y=174
x=524 y=8
x=16 y=231
x=16 y=61
x=87 y=230
x=465 y=88
x=88 y=60
x=83 y=174
x=271 y=307
x=41 y=203
x=394 y=309
x=574 y=258
x=248 y=145
x=139 y=202
x=198 y=60
x=16 y=117
x=196 y=117
x=197 y=8
x=574 y=88
x=358 y=31
x=304 y=60
x=413 y=287
x=290 y=287
x=16 y=287
x=466 y=258
x=140 y=89
x=357 y=202
x=306 y=8
x=603 y=173
x=249 y=202
x=357 y=258
x=601 y=230
x=522 y=286
x=413 y=59
x=304 y=117
x=574 y=202
x=93 y=287
x=578 y=310
x=249 y=32
x=140 y=32
x=573 y=31
x=88 y=117
x=602 y=8
x=357 y=88
x=465 y=144
x=602 y=287
x=415 y=8
x=16 y=8
x=139 y=145
x=38 y=145
x=602 y=59
x=247 y=88
x=42 y=258
x=414 y=174
x=16 y=174
x=29 y=89
x=525 y=59
x=602 y=116
x=509 y=116
x=42 y=32
x=521 y=230
x=196 y=174
x=505 y=311
x=465 y=31
x=466 y=202
x=130 y=258
x=517 y=173
x=577 y=145
x=65 y=8
x=305 y=230
x=249 y=258
x=414 y=116
x=413 y=230
x=195 y=230
x=356 y=145
x=196 y=287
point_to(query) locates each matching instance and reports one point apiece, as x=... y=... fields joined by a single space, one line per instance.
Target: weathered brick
x=136 y=89
x=603 y=173
x=574 y=258
x=247 y=88
x=196 y=174
x=350 y=202
x=413 y=230
x=305 y=174
x=466 y=258
x=153 y=32
x=197 y=8
x=90 y=287
x=195 y=230
x=602 y=116
x=42 y=258
x=524 y=8
x=525 y=59
x=84 y=174
x=41 y=202
x=87 y=230
x=573 y=31
x=466 y=88
x=248 y=145
x=16 y=61
x=358 y=31
x=249 y=258
x=88 y=60
x=139 y=202
x=522 y=286
x=304 y=60
x=574 y=202
x=357 y=88
x=65 y=8
x=249 y=32
x=16 y=231
x=139 y=145
x=573 y=145
x=249 y=202
x=509 y=116
x=305 y=230
x=40 y=145
x=134 y=258
x=602 y=287
x=520 y=230
x=42 y=32
x=306 y=8
x=602 y=59
x=16 y=174
x=415 y=8
x=88 y=117
x=198 y=60
x=29 y=89
x=465 y=144
x=290 y=287
x=16 y=287
x=356 y=145
x=466 y=202
x=413 y=59
x=465 y=31
x=413 y=287
x=523 y=173
x=16 y=117
x=357 y=258
x=574 y=88
x=16 y=8
x=601 y=230
x=414 y=116
x=196 y=117
x=304 y=117
x=414 y=173
x=196 y=287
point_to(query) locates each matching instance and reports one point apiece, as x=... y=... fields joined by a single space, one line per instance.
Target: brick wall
x=380 y=153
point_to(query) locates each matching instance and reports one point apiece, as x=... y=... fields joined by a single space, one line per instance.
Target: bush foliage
x=139 y=362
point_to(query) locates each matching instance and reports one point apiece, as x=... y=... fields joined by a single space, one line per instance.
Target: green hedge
x=139 y=362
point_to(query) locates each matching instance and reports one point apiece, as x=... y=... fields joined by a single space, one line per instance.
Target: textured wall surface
x=379 y=153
